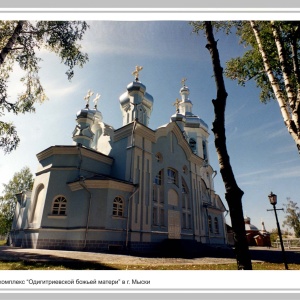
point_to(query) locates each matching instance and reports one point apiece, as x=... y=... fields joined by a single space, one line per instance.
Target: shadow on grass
x=24 y=260
x=52 y=265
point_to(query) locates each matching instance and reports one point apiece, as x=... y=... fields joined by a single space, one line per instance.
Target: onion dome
x=136 y=103
x=87 y=121
x=249 y=226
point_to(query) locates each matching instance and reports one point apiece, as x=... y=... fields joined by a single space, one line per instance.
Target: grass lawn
x=30 y=265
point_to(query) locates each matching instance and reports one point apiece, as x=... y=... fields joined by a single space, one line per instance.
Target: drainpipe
x=131 y=178
x=208 y=229
x=132 y=145
x=128 y=216
x=82 y=183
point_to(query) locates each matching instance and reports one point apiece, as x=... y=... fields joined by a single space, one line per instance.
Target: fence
x=287 y=243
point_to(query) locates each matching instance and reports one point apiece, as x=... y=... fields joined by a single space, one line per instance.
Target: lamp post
x=273 y=201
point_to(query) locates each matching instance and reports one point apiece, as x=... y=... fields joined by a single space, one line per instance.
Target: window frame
x=118 y=207
x=210 y=228
x=216 y=225
x=59 y=206
x=172 y=176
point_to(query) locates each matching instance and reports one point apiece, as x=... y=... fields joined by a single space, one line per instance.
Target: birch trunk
x=289 y=123
x=293 y=96
x=233 y=192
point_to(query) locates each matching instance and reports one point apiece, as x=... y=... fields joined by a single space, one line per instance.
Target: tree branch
x=12 y=40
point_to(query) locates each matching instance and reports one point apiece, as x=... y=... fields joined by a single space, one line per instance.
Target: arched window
x=172 y=176
x=59 y=206
x=118 y=207
x=210 y=224
x=185 y=195
x=216 y=225
x=159 y=178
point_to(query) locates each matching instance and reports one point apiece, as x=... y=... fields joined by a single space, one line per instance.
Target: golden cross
x=176 y=104
x=135 y=73
x=87 y=97
x=183 y=80
x=96 y=99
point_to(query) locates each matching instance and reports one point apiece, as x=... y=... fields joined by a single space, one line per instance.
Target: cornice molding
x=102 y=184
x=74 y=150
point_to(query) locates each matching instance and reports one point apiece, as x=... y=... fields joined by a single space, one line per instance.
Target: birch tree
x=272 y=60
x=21 y=181
x=19 y=42
x=292 y=216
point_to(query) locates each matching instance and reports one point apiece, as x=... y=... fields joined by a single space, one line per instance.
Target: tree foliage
x=19 y=43
x=292 y=217
x=271 y=59
x=21 y=181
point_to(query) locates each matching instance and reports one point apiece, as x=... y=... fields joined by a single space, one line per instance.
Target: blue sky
x=263 y=155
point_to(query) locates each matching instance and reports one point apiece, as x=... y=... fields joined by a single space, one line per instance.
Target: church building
x=130 y=188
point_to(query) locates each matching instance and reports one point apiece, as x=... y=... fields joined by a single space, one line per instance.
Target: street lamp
x=273 y=201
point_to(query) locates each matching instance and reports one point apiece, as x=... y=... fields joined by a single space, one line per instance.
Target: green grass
x=31 y=265
x=2 y=242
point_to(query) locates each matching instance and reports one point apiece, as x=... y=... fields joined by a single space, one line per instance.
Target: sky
x=263 y=155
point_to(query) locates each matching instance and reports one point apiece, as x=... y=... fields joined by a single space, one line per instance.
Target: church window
x=158 y=187
x=185 y=195
x=216 y=225
x=158 y=178
x=210 y=224
x=59 y=206
x=186 y=206
x=204 y=150
x=172 y=176
x=118 y=207
x=193 y=143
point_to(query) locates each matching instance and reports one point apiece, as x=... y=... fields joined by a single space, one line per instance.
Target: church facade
x=126 y=188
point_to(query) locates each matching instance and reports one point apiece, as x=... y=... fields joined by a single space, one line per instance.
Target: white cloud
x=286 y=148
x=291 y=172
x=278 y=133
x=258 y=172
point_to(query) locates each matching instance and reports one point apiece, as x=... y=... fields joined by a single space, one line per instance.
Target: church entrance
x=174 y=225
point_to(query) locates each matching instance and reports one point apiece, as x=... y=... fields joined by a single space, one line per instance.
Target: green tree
x=292 y=217
x=233 y=193
x=19 y=42
x=21 y=181
x=272 y=60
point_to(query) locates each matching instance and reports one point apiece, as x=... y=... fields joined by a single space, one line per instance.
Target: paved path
x=222 y=257
x=9 y=253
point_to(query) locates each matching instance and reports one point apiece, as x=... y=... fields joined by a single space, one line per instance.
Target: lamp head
x=273 y=198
